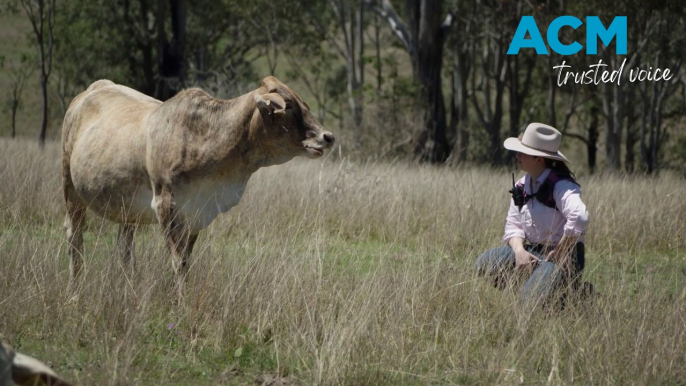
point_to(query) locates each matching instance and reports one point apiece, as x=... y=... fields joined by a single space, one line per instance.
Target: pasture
x=339 y=272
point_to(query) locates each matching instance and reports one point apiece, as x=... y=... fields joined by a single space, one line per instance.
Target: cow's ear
x=270 y=103
x=270 y=83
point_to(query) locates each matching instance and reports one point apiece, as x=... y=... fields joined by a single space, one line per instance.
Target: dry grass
x=332 y=272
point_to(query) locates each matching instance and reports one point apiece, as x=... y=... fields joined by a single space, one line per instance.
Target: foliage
x=231 y=45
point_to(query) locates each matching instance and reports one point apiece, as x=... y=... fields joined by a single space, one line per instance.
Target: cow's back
x=103 y=142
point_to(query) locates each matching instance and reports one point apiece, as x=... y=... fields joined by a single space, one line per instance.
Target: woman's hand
x=562 y=252
x=557 y=256
x=524 y=258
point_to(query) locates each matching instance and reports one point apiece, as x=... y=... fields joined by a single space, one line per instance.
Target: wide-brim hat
x=539 y=140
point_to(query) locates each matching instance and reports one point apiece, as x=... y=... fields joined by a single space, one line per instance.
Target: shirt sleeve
x=568 y=199
x=513 y=224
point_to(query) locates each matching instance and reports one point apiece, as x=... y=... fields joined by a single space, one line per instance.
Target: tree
x=170 y=52
x=18 y=73
x=462 y=40
x=613 y=109
x=492 y=61
x=159 y=46
x=423 y=35
x=41 y=14
x=463 y=47
x=518 y=87
x=655 y=95
x=348 y=17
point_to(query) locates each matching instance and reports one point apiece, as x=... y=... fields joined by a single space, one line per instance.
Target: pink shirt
x=540 y=224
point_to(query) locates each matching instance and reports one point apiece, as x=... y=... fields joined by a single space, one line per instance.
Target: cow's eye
x=289 y=106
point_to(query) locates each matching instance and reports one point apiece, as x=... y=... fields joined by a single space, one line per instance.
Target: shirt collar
x=539 y=181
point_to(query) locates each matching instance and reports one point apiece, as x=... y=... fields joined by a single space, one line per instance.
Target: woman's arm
x=514 y=237
x=568 y=199
x=560 y=254
x=513 y=224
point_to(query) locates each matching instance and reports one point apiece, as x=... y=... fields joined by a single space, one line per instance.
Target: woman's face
x=529 y=163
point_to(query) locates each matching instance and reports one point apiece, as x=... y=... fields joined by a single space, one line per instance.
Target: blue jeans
x=547 y=279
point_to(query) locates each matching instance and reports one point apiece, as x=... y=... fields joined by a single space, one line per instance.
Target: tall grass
x=340 y=272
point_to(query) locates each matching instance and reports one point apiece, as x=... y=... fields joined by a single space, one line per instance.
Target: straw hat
x=539 y=140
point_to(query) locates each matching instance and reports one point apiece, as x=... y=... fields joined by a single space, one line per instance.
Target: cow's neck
x=260 y=149
x=243 y=140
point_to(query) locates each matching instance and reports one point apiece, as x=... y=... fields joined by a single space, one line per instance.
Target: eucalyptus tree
x=423 y=32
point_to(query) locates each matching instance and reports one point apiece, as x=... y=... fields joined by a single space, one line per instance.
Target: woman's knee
x=495 y=260
x=543 y=284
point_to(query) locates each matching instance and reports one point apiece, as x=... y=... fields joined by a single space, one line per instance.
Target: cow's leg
x=75 y=223
x=191 y=243
x=179 y=238
x=125 y=242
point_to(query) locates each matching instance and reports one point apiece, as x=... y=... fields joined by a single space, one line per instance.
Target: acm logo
x=595 y=30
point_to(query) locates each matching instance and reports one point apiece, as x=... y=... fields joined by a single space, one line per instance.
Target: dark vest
x=544 y=195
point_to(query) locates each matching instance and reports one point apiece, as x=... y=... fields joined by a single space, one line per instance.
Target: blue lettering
x=554 y=38
x=527 y=24
x=595 y=29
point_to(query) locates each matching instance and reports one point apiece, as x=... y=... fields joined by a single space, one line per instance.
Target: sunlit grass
x=336 y=272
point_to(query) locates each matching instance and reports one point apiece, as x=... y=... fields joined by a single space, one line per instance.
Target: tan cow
x=20 y=369
x=135 y=160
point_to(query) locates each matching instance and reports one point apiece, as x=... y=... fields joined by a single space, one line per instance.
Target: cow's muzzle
x=328 y=138
x=315 y=144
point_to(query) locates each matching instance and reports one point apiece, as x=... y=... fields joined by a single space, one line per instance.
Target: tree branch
x=317 y=24
x=31 y=13
x=577 y=136
x=397 y=26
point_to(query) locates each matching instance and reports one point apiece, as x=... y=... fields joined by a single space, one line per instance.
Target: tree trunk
x=45 y=61
x=612 y=127
x=630 y=144
x=515 y=99
x=432 y=144
x=377 y=46
x=171 y=53
x=350 y=18
x=645 y=155
x=651 y=129
x=459 y=115
x=462 y=109
x=38 y=14
x=138 y=32
x=359 y=17
x=613 y=106
x=44 y=110
x=552 y=92
x=593 y=135
x=424 y=44
x=454 y=110
x=354 y=65
x=15 y=106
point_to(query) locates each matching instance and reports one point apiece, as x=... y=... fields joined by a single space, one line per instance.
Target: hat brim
x=515 y=144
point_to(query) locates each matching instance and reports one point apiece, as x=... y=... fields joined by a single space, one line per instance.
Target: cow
x=20 y=369
x=132 y=159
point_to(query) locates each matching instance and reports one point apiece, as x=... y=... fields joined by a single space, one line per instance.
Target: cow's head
x=291 y=128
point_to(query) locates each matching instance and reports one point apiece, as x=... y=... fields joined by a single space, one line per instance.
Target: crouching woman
x=545 y=226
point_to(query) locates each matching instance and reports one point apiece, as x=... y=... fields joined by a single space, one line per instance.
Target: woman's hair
x=560 y=168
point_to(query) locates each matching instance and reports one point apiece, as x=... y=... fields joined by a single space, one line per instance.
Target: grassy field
x=338 y=272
